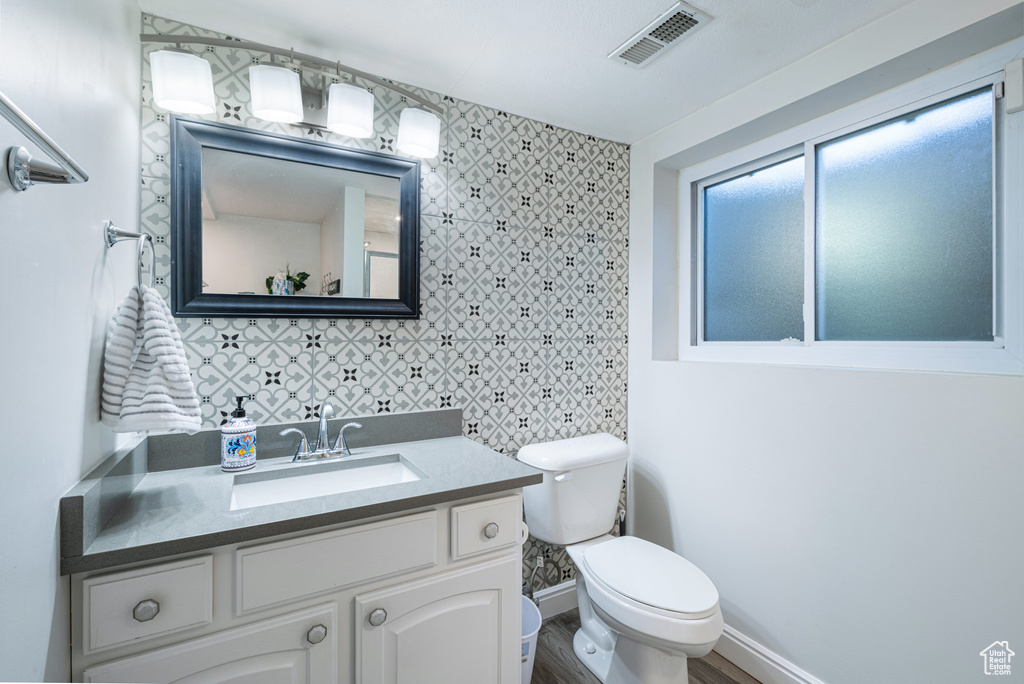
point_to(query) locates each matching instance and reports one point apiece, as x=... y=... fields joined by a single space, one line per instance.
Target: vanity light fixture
x=419 y=133
x=276 y=93
x=182 y=82
x=350 y=110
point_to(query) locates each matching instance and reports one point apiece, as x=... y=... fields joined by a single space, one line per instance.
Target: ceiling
x=250 y=185
x=546 y=59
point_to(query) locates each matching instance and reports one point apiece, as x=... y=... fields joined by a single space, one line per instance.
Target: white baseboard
x=766 y=666
x=557 y=599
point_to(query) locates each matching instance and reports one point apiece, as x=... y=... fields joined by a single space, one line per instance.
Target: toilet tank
x=579 y=497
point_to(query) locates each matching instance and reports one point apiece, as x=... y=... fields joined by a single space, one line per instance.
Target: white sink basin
x=307 y=481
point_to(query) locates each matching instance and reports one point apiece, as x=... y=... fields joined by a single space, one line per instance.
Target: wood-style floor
x=557 y=664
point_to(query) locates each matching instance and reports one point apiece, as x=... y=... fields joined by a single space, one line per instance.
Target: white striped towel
x=146 y=381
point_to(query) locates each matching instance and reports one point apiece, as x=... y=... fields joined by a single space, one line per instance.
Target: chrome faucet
x=323 y=449
x=323 y=443
x=340 y=443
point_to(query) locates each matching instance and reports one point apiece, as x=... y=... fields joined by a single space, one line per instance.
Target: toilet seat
x=643 y=573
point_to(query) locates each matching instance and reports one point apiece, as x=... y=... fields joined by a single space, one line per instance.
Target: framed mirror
x=269 y=225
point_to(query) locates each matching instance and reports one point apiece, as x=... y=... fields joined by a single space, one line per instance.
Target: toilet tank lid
x=577 y=452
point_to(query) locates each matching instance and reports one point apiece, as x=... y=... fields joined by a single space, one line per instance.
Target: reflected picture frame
x=188 y=138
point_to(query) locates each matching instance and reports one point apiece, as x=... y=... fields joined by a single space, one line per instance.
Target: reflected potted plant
x=284 y=283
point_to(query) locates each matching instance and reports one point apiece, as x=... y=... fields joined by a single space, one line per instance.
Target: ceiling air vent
x=645 y=46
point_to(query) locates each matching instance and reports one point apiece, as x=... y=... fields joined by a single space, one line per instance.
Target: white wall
x=382 y=242
x=74 y=67
x=332 y=242
x=239 y=252
x=866 y=526
x=355 y=228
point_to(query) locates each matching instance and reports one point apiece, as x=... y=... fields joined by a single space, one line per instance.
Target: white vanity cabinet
x=445 y=629
x=388 y=599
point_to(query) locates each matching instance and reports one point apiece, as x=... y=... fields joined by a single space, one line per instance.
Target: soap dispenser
x=238 y=441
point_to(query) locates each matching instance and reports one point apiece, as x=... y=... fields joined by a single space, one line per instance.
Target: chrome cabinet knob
x=316 y=634
x=491 y=531
x=145 y=611
x=378 y=617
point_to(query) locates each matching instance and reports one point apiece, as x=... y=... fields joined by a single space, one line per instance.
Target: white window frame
x=1001 y=356
x=698 y=192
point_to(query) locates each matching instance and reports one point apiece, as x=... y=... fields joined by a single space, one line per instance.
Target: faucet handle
x=340 y=442
x=302 y=451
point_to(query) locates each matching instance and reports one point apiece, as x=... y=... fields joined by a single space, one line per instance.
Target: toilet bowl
x=623 y=639
x=643 y=609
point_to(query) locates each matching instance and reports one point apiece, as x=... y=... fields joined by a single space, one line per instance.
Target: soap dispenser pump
x=238 y=441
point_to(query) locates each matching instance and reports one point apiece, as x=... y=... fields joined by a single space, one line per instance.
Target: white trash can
x=531 y=625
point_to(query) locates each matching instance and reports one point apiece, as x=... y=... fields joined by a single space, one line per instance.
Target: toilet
x=643 y=609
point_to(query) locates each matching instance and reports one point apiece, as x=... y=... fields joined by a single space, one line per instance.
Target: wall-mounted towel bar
x=22 y=170
x=112 y=235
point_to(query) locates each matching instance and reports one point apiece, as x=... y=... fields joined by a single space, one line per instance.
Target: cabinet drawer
x=485 y=526
x=139 y=604
x=269 y=574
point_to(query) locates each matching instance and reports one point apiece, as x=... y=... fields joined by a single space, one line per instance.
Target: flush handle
x=378 y=617
x=145 y=611
x=491 y=531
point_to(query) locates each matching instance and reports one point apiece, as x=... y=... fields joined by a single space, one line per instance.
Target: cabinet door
x=275 y=651
x=460 y=627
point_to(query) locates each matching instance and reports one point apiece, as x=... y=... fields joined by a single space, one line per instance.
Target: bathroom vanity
x=413 y=581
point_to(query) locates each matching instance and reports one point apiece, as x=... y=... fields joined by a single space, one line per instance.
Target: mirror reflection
x=273 y=226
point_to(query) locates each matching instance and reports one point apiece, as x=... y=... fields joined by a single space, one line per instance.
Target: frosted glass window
x=904 y=227
x=753 y=255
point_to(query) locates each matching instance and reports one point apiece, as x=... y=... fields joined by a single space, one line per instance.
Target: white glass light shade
x=182 y=82
x=276 y=93
x=350 y=110
x=419 y=133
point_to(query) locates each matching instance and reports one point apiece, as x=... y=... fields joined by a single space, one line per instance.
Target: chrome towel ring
x=112 y=235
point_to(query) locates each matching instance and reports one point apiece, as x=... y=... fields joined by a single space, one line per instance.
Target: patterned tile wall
x=523 y=284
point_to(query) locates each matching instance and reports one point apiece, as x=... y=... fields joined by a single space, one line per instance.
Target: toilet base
x=628 y=662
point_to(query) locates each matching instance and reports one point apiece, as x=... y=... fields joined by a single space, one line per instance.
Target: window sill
x=974 y=359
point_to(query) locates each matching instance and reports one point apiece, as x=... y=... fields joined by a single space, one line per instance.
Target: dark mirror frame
x=190 y=136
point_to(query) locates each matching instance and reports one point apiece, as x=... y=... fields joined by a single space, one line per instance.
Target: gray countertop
x=185 y=510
